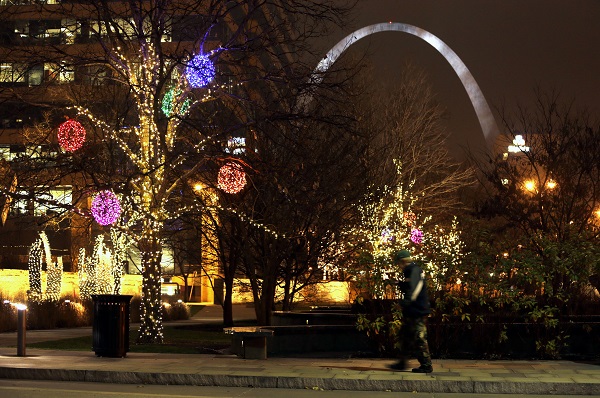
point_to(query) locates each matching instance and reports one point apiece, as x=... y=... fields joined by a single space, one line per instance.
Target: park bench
x=249 y=342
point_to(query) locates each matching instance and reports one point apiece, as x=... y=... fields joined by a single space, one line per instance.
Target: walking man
x=415 y=309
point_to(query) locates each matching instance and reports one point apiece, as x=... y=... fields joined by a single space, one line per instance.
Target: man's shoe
x=423 y=369
x=398 y=366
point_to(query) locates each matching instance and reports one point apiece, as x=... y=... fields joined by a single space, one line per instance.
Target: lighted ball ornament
x=416 y=236
x=106 y=207
x=386 y=236
x=200 y=71
x=410 y=218
x=231 y=178
x=169 y=101
x=71 y=135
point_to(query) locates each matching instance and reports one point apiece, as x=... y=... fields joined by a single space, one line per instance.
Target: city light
x=518 y=145
x=530 y=185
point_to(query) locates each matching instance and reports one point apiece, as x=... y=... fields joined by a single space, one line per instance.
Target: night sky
x=510 y=47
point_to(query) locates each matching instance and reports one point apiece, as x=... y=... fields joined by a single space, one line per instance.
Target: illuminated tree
x=414 y=183
x=120 y=243
x=212 y=57
x=54 y=273
x=39 y=258
x=101 y=273
x=101 y=260
x=36 y=256
x=87 y=276
x=391 y=223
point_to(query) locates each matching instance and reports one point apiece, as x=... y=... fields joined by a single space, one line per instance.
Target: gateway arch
x=482 y=109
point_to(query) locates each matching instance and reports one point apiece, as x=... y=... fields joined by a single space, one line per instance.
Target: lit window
x=236 y=146
x=12 y=73
x=5 y=153
x=56 y=199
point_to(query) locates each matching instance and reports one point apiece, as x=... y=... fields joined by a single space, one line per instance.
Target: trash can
x=111 y=325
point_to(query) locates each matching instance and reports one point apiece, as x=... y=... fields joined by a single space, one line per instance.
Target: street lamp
x=530 y=185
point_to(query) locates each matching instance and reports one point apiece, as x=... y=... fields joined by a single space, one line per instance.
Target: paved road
x=53 y=389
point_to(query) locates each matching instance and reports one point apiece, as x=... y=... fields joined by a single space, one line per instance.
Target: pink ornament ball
x=416 y=236
x=106 y=207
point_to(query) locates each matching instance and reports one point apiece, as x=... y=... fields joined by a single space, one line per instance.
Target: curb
x=289 y=382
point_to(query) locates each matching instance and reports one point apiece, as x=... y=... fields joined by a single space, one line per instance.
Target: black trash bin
x=111 y=325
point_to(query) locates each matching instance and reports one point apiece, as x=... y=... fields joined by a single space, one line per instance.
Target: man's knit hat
x=400 y=255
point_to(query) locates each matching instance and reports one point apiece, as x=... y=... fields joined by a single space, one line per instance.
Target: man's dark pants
x=413 y=335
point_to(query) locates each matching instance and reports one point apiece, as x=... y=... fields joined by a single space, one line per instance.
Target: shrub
x=176 y=311
x=8 y=317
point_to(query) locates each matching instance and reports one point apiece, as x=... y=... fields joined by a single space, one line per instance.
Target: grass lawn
x=183 y=339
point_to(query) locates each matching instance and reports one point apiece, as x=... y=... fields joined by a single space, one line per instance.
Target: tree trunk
x=228 y=304
x=263 y=303
x=151 y=327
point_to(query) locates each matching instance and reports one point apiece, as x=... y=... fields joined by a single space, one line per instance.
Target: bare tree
x=544 y=197
x=404 y=119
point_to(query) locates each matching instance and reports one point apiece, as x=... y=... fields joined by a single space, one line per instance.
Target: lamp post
x=21 y=328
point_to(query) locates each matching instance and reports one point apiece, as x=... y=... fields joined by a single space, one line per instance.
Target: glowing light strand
x=87 y=276
x=34 y=264
x=54 y=279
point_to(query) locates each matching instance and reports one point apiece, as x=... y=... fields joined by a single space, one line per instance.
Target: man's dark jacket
x=416 y=301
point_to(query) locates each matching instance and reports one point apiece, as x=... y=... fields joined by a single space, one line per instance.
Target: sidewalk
x=449 y=376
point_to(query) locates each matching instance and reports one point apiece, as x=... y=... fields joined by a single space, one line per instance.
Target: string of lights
x=54 y=272
x=104 y=273
x=87 y=276
x=34 y=265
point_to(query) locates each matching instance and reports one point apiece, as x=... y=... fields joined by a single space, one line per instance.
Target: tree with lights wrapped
x=161 y=100
x=414 y=180
x=54 y=272
x=36 y=259
x=414 y=185
x=390 y=224
x=86 y=276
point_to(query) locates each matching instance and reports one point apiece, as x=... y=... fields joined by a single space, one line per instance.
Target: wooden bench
x=249 y=342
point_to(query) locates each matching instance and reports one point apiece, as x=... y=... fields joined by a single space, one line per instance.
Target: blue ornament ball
x=200 y=71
